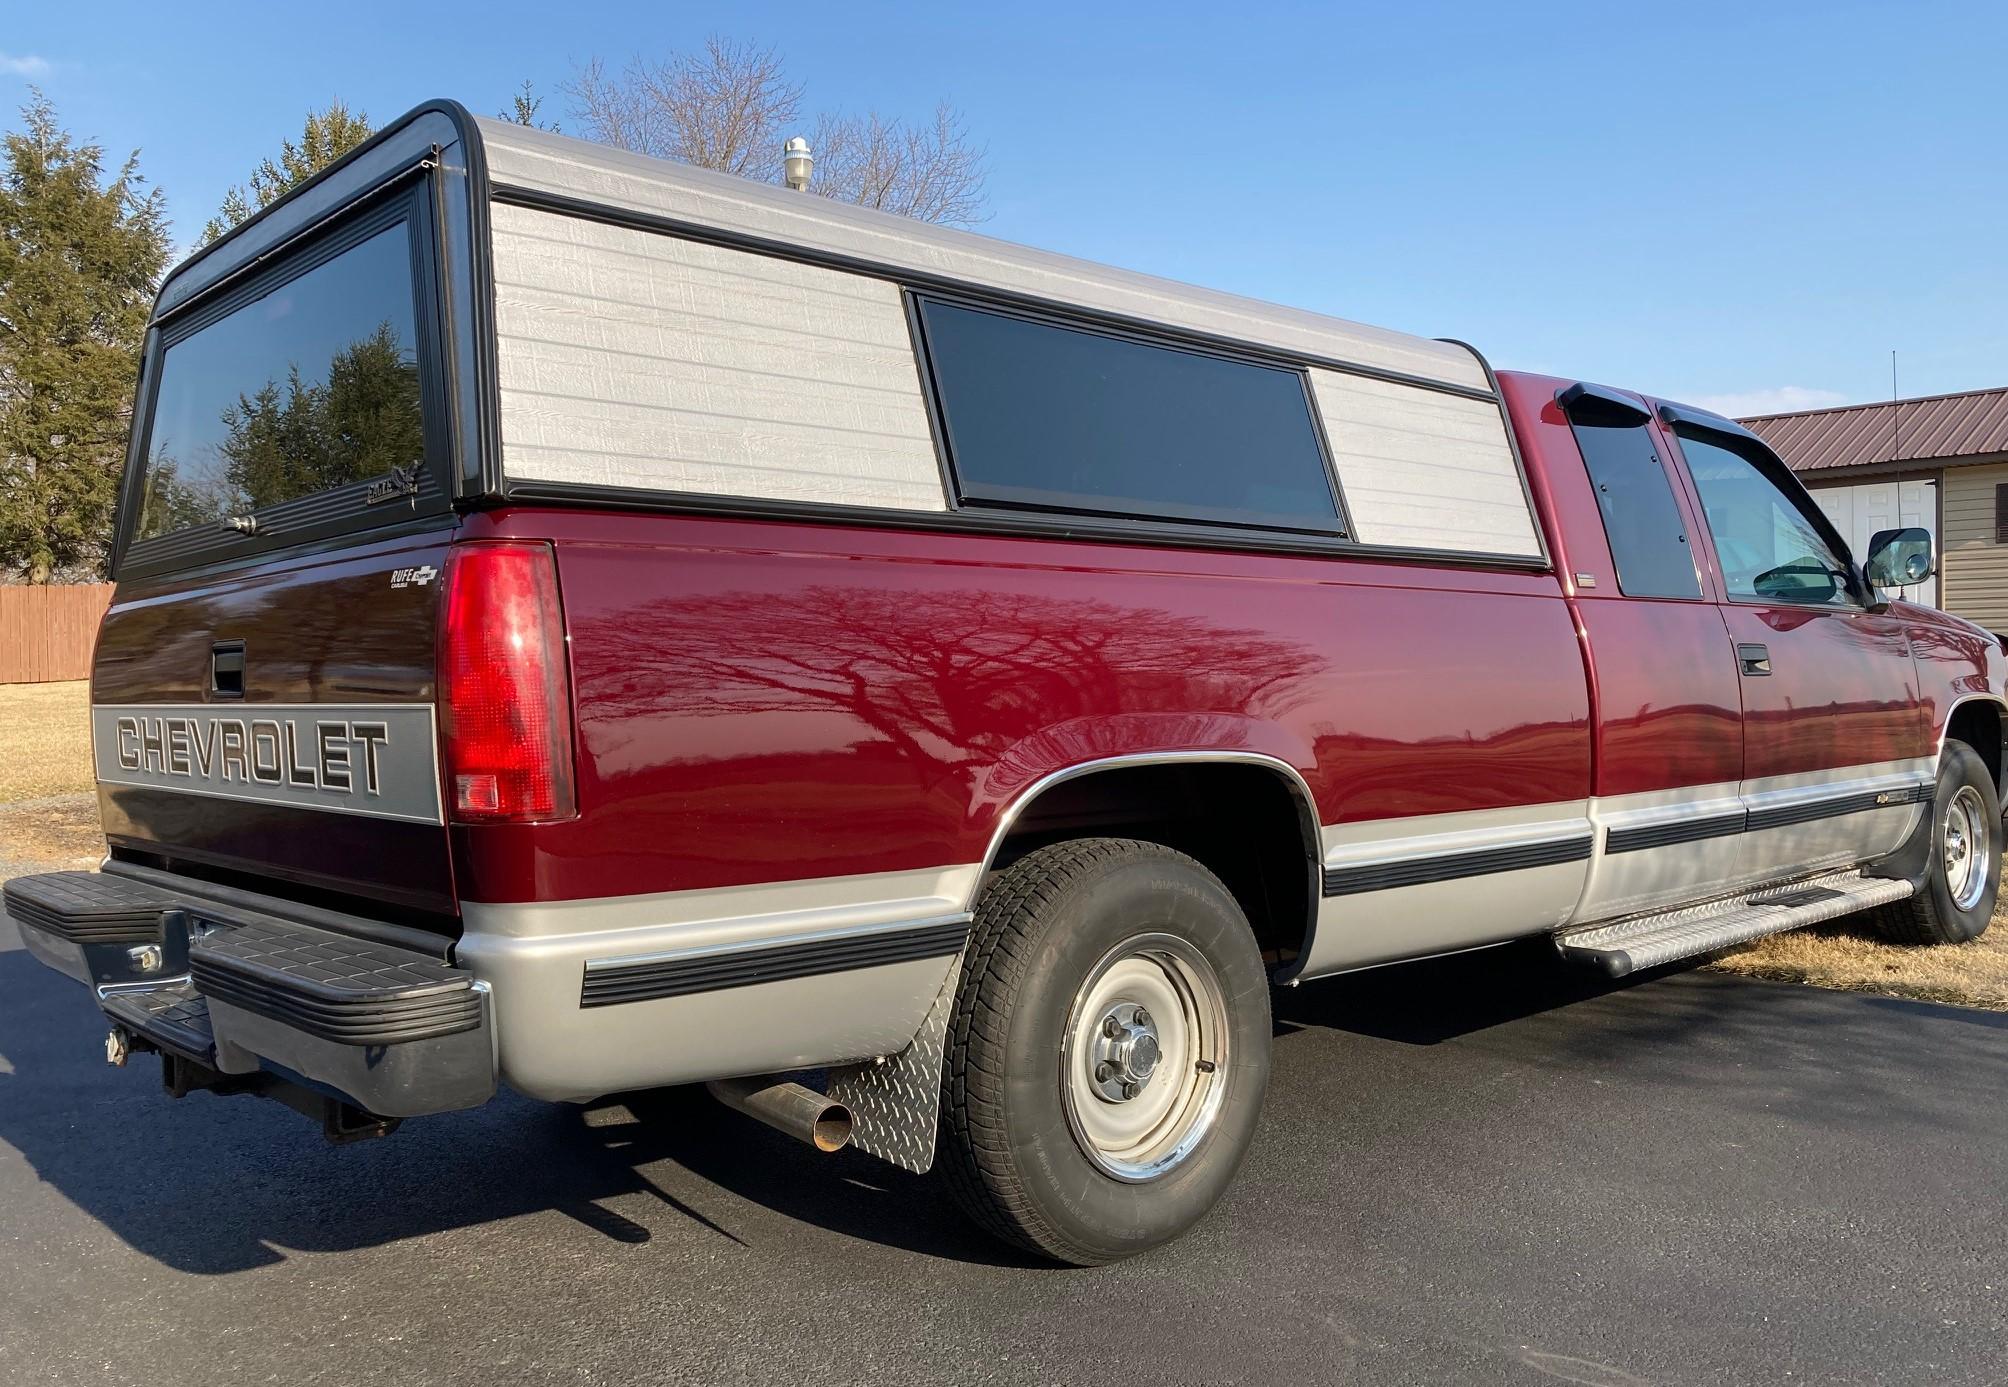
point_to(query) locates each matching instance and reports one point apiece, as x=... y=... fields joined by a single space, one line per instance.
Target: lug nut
x=1142 y=1017
x=1111 y=1027
x=1131 y=1088
x=1104 y=1072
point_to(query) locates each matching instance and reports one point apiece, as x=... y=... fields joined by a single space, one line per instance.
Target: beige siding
x=1973 y=568
x=1424 y=470
x=638 y=360
x=634 y=359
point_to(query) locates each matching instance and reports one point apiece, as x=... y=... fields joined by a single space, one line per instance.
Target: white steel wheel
x=1143 y=1058
x=1967 y=846
x=1952 y=859
x=1108 y=1051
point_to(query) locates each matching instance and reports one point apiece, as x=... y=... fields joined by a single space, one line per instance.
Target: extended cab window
x=1048 y=417
x=1769 y=549
x=310 y=384
x=1641 y=520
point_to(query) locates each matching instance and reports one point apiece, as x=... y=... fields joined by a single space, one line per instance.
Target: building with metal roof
x=1939 y=461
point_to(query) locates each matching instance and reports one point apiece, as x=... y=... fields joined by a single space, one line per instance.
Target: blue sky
x=1741 y=204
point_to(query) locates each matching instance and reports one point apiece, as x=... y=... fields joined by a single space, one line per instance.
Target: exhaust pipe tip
x=832 y=1131
x=789 y=1107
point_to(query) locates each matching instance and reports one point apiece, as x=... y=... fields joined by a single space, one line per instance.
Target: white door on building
x=1860 y=510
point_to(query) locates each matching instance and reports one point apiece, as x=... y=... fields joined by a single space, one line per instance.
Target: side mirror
x=1898 y=558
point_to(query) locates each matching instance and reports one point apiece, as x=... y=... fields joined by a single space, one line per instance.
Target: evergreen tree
x=306 y=436
x=326 y=137
x=79 y=258
x=523 y=109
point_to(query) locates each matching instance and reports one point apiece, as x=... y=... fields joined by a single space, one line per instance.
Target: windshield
x=311 y=385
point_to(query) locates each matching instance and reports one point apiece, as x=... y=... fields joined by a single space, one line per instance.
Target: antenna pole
x=1895 y=412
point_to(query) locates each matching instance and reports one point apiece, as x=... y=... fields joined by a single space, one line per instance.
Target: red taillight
x=506 y=712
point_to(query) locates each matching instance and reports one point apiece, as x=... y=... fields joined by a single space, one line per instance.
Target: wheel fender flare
x=1086 y=747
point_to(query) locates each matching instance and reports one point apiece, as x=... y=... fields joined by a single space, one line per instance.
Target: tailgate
x=279 y=724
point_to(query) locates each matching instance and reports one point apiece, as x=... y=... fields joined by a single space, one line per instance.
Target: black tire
x=1044 y=928
x=1933 y=914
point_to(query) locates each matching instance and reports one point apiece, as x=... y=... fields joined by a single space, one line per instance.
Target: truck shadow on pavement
x=211 y=1185
x=1435 y=1000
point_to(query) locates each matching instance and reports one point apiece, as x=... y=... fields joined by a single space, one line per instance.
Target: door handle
x=226 y=669
x=1755 y=659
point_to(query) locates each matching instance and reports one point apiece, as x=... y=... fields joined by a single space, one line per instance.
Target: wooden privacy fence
x=47 y=632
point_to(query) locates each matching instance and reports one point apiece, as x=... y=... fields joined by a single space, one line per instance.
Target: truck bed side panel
x=761 y=702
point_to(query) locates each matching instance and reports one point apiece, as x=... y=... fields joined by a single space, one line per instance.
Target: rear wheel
x=1108 y=1052
x=1962 y=871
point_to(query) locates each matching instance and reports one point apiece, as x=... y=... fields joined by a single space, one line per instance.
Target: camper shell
x=515 y=229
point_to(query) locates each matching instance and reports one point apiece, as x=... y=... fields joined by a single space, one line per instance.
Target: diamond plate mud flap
x=895 y=1102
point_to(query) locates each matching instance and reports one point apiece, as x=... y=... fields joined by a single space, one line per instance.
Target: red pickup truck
x=586 y=623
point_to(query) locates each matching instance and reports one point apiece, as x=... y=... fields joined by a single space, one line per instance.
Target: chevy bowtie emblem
x=413 y=577
x=1884 y=798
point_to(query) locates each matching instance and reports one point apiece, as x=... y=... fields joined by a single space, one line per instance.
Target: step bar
x=238 y=988
x=1648 y=941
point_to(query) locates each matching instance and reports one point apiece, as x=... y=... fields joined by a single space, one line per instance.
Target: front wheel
x=1108 y=1052
x=1962 y=870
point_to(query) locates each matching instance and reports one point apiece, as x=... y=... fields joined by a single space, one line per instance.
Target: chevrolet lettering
x=360 y=759
x=928 y=690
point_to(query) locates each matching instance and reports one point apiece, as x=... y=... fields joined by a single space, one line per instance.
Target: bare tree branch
x=726 y=108
x=730 y=107
x=612 y=111
x=930 y=172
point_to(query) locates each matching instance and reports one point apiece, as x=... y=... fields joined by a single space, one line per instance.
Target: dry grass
x=1844 y=955
x=56 y=831
x=45 y=739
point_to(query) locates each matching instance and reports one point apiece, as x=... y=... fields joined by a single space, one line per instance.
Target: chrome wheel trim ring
x=1966 y=848
x=1180 y=1074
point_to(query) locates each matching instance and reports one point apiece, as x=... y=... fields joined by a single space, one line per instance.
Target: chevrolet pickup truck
x=587 y=624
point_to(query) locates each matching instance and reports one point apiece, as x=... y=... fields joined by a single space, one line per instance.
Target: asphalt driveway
x=1484 y=1169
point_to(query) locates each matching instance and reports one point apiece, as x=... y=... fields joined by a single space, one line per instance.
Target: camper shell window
x=295 y=404
x=1044 y=415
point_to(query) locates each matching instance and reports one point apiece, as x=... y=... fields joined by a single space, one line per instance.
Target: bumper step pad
x=88 y=907
x=1631 y=946
x=331 y=986
x=171 y=1016
x=391 y=1030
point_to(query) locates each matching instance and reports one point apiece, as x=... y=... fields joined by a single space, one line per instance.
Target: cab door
x=1838 y=756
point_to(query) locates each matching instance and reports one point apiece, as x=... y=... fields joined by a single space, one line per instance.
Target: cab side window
x=1769 y=548
x=1647 y=537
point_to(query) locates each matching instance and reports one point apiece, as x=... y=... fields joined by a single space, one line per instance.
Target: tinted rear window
x=1044 y=416
x=313 y=384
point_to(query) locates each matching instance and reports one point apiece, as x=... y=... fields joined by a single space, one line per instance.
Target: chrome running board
x=1648 y=941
